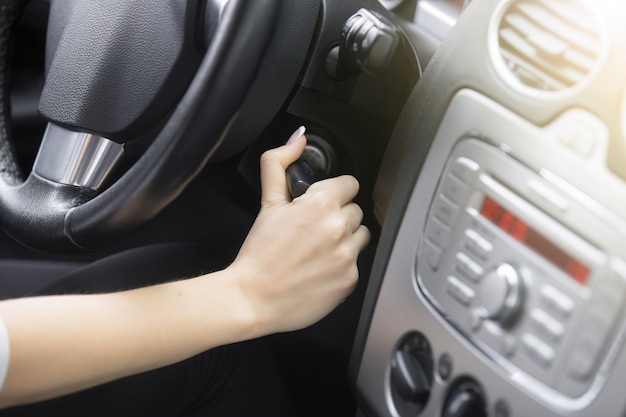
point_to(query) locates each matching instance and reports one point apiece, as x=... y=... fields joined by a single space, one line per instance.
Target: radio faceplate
x=517 y=265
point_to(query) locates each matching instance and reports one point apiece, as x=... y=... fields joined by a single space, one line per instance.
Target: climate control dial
x=465 y=399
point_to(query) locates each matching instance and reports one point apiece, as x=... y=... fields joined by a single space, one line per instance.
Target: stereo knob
x=501 y=295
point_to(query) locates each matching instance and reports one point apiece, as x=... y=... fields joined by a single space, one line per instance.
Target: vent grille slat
x=556 y=24
x=521 y=24
x=530 y=57
x=531 y=76
x=547 y=44
x=576 y=16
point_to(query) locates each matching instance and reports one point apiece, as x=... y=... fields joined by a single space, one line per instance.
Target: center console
x=502 y=294
x=500 y=274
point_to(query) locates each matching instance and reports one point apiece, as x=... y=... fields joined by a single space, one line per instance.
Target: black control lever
x=316 y=163
x=368 y=42
x=300 y=176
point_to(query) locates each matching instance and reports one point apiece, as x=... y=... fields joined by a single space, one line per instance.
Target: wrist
x=236 y=298
x=242 y=278
x=208 y=311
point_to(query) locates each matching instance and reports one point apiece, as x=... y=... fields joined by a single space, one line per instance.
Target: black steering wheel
x=116 y=73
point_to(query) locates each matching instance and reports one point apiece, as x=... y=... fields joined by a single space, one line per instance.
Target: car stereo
x=521 y=267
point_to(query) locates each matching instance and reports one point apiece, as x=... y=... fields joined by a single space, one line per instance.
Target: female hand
x=299 y=259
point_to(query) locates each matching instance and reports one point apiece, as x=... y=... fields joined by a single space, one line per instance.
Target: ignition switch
x=318 y=161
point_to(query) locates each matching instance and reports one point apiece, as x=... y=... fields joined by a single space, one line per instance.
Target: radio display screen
x=523 y=233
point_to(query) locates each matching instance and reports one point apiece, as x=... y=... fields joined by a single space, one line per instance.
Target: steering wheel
x=117 y=74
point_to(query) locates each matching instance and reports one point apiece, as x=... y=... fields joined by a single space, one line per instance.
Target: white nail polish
x=297 y=134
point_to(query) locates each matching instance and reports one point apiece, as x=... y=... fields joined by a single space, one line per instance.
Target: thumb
x=273 y=166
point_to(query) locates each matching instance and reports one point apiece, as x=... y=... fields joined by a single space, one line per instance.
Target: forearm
x=85 y=340
x=296 y=265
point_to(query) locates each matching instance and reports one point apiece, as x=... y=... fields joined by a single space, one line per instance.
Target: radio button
x=583 y=357
x=603 y=307
x=509 y=345
x=477 y=245
x=618 y=274
x=596 y=326
x=556 y=302
x=607 y=297
x=460 y=291
x=444 y=211
x=475 y=321
x=437 y=233
x=546 y=326
x=594 y=332
x=432 y=255
x=581 y=365
x=454 y=190
x=468 y=268
x=537 y=351
x=465 y=169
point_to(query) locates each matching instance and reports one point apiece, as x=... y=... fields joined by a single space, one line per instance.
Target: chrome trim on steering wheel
x=74 y=158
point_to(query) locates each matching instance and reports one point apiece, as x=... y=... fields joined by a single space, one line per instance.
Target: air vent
x=549 y=45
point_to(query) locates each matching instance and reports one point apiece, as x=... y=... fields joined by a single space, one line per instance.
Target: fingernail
x=296 y=135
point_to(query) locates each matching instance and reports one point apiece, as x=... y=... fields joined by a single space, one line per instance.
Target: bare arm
x=63 y=344
x=297 y=264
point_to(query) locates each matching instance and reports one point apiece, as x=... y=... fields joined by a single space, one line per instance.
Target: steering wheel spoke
x=80 y=159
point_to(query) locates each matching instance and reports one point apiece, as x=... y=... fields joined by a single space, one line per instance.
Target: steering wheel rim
x=63 y=218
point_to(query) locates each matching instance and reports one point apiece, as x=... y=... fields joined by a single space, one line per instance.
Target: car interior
x=488 y=137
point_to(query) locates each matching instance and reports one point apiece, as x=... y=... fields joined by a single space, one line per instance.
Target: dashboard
x=500 y=270
x=499 y=279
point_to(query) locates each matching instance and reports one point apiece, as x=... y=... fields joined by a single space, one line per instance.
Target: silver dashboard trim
x=401 y=307
x=437 y=17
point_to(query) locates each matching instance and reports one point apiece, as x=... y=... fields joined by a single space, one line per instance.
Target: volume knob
x=501 y=295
